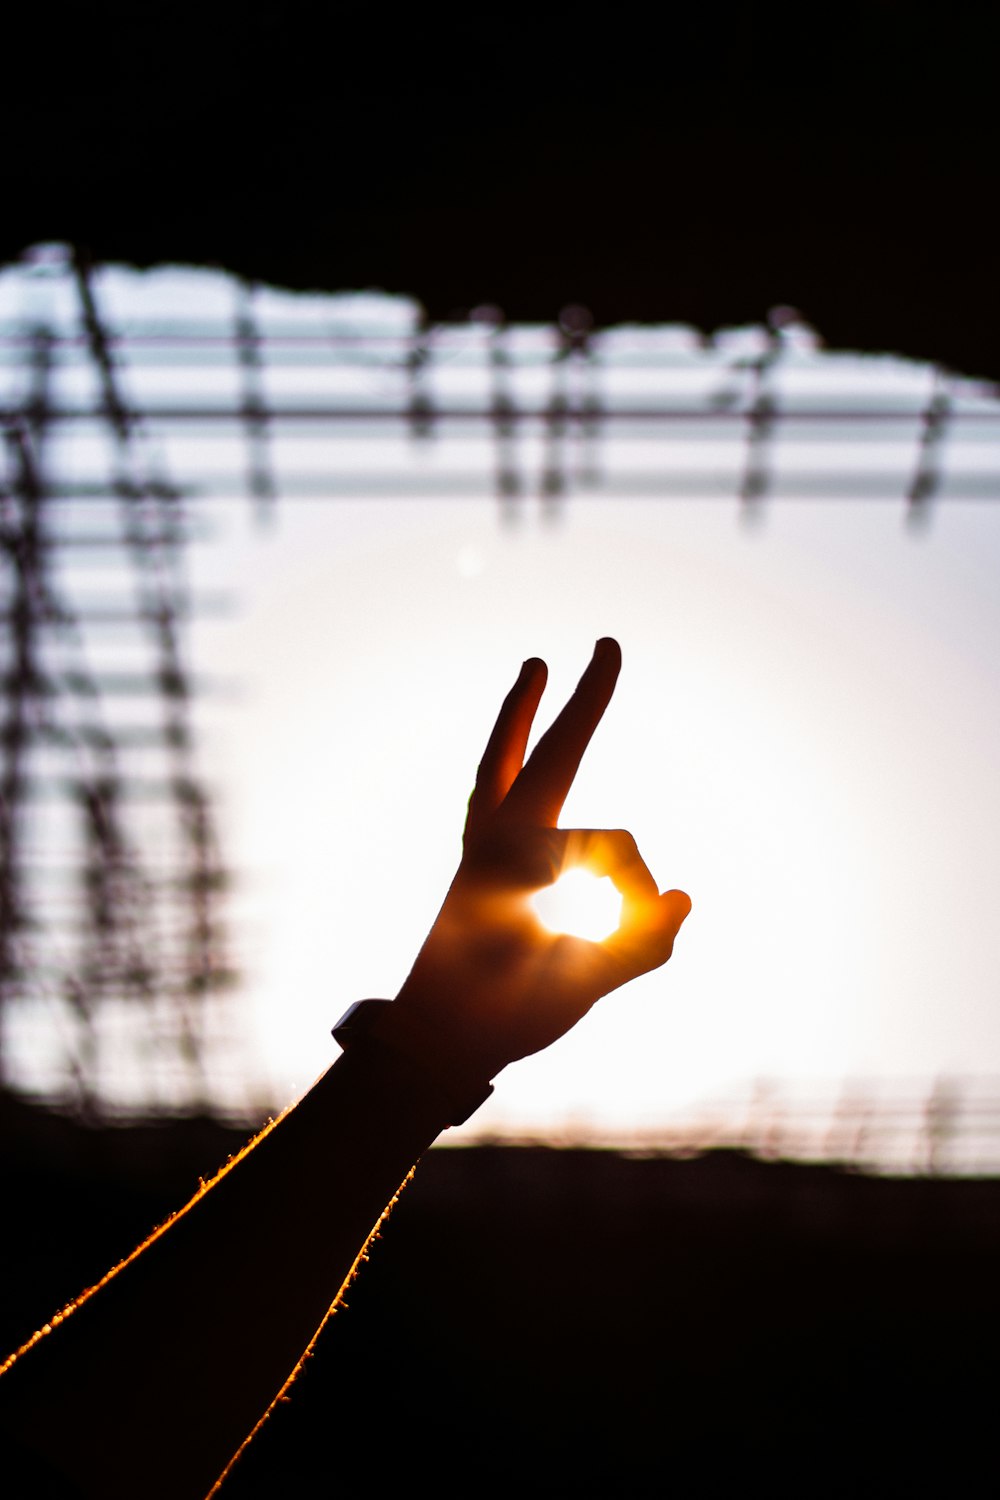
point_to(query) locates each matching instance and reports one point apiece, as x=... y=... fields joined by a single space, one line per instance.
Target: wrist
x=401 y=1036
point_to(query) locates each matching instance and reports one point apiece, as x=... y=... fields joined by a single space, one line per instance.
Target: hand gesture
x=491 y=983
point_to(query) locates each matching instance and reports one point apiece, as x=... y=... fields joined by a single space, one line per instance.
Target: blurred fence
x=130 y=401
x=243 y=390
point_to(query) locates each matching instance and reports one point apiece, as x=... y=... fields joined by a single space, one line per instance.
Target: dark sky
x=841 y=160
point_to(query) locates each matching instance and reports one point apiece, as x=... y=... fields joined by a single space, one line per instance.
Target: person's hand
x=491 y=983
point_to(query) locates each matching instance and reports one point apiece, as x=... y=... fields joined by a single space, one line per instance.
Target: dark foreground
x=538 y=1321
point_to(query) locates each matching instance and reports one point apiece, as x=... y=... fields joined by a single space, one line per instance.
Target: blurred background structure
x=110 y=937
x=140 y=408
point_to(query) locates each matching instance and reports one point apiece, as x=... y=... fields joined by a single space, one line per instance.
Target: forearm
x=154 y=1381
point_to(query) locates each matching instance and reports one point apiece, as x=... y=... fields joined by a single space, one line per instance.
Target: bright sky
x=805 y=735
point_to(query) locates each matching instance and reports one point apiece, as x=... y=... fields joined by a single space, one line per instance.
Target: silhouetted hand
x=491 y=983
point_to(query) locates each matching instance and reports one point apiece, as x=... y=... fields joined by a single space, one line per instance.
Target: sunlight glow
x=581 y=904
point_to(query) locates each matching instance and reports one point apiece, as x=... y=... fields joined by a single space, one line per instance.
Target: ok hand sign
x=491 y=983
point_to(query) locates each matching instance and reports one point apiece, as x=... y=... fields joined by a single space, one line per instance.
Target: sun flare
x=581 y=904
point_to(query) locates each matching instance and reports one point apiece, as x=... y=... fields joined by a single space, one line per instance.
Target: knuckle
x=625 y=845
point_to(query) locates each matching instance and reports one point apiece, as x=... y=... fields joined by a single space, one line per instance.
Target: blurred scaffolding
x=112 y=960
x=129 y=401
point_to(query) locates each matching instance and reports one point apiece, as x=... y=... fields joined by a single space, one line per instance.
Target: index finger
x=540 y=790
x=504 y=753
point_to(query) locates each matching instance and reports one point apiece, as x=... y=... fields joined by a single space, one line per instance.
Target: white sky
x=805 y=736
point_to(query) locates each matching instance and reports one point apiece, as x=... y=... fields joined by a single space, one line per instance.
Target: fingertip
x=534 y=667
x=531 y=680
x=601 y=672
x=679 y=903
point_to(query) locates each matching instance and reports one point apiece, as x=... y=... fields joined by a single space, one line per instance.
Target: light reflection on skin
x=581 y=904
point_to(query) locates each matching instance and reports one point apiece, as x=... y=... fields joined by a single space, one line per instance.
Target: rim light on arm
x=580 y=904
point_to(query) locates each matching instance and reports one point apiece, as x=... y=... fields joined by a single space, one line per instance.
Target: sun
x=581 y=904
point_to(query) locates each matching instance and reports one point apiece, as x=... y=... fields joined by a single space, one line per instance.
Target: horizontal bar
x=130 y=788
x=211 y=606
x=482 y=484
x=114 y=684
x=128 y=737
x=574 y=414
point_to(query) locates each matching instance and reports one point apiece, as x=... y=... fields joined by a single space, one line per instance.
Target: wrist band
x=360 y=1026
